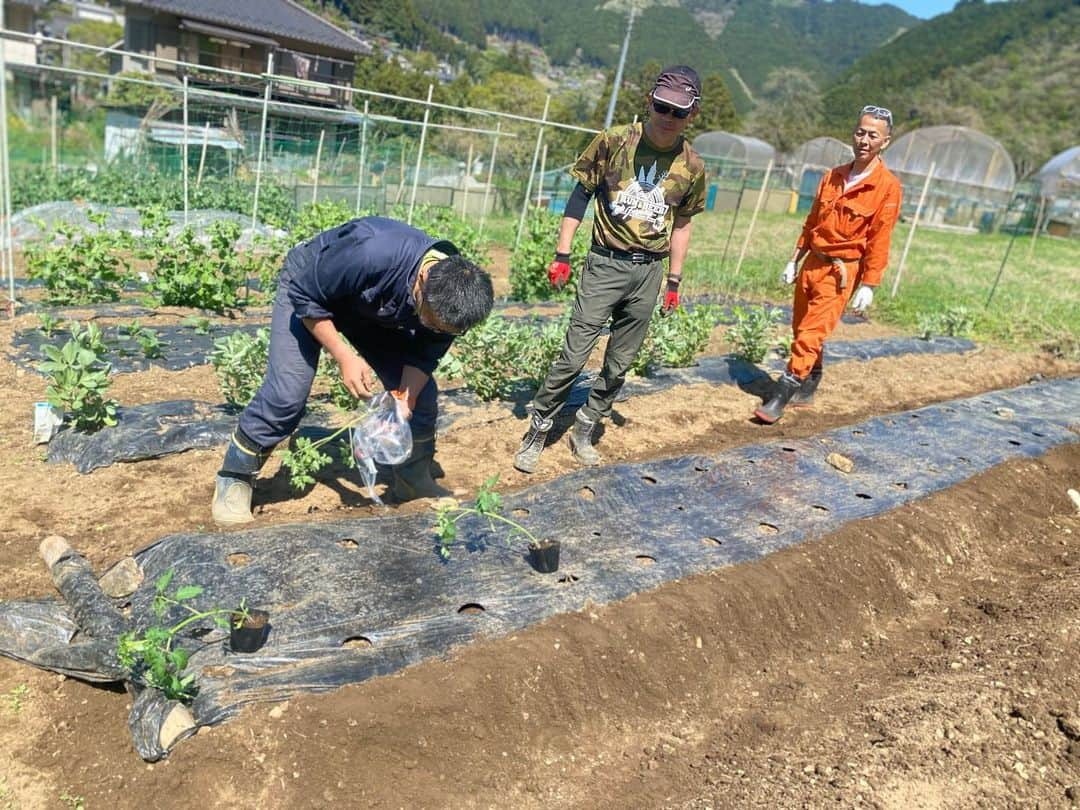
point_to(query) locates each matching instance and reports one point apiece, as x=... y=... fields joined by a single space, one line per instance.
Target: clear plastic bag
x=383 y=436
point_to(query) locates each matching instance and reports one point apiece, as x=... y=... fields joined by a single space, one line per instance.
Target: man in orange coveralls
x=845 y=241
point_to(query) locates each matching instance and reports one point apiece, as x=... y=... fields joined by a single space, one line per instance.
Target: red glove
x=559 y=271
x=671 y=302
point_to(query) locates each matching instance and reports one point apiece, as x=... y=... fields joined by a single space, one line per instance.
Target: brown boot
x=412 y=478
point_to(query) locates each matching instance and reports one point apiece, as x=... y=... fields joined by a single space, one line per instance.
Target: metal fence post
x=184 y=150
x=363 y=159
x=262 y=140
x=532 y=170
x=318 y=160
x=490 y=176
x=420 y=152
x=8 y=254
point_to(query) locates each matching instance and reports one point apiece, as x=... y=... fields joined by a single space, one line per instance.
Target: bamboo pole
x=1038 y=226
x=911 y=231
x=753 y=217
x=734 y=217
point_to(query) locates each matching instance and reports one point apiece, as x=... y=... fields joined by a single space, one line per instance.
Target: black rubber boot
x=412 y=478
x=532 y=444
x=581 y=441
x=235 y=481
x=786 y=386
x=804 y=397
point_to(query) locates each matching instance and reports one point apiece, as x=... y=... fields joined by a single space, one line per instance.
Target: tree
x=790 y=110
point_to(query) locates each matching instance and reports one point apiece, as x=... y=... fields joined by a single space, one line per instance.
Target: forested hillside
x=1009 y=69
x=751 y=36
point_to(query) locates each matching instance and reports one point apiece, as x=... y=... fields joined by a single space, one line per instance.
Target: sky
x=919 y=8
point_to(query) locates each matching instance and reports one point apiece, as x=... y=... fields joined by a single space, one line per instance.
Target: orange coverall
x=853 y=227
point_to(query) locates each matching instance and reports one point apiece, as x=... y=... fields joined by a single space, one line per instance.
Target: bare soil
x=926 y=657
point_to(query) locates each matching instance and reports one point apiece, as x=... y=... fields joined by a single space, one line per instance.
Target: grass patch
x=1036 y=304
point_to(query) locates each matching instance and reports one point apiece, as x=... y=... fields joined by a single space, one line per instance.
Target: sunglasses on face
x=877 y=112
x=664 y=109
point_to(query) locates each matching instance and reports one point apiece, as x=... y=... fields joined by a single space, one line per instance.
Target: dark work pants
x=608 y=288
x=280 y=401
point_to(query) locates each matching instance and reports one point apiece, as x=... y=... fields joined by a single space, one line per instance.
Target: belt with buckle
x=839 y=265
x=640 y=257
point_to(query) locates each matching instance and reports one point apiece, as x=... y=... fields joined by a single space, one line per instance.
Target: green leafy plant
x=488 y=505
x=74 y=802
x=190 y=273
x=675 y=340
x=150 y=655
x=529 y=263
x=15 y=698
x=239 y=360
x=199 y=324
x=754 y=332
x=78 y=379
x=953 y=321
x=49 y=324
x=498 y=355
x=148 y=340
x=444 y=223
x=315 y=218
x=85 y=267
x=307 y=457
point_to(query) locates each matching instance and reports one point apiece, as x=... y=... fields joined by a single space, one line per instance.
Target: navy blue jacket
x=365 y=270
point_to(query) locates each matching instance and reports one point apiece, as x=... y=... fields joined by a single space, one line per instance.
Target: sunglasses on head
x=877 y=112
x=665 y=109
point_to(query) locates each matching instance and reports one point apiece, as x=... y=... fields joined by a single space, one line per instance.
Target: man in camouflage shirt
x=648 y=183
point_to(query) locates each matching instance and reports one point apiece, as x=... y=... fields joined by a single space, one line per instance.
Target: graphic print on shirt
x=642 y=199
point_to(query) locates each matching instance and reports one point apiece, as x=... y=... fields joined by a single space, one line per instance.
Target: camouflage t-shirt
x=639 y=189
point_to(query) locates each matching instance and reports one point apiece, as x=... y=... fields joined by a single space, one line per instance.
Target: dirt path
x=925 y=657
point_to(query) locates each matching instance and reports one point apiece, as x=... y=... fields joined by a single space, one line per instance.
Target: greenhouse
x=973 y=175
x=733 y=164
x=1058 y=185
x=807 y=163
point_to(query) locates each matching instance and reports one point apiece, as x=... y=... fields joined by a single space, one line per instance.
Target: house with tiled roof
x=243 y=36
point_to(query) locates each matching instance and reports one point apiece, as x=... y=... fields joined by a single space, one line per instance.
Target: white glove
x=863 y=298
x=790 y=271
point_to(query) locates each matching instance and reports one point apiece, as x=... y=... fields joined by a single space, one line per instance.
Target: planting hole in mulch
x=348 y=543
x=817 y=507
x=645 y=559
x=520 y=512
x=715 y=542
x=238 y=559
x=587 y=493
x=357 y=643
x=767 y=528
x=863 y=495
x=648 y=479
x=901 y=485
x=471 y=609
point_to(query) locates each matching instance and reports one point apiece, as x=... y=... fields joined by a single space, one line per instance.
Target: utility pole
x=619 y=69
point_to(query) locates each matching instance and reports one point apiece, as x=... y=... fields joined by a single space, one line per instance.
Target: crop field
x=752 y=636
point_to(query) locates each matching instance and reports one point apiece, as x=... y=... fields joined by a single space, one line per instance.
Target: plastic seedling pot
x=544 y=556
x=251 y=634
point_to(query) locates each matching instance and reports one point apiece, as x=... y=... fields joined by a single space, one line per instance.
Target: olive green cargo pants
x=608 y=288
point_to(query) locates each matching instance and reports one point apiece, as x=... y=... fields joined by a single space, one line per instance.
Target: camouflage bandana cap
x=678 y=86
